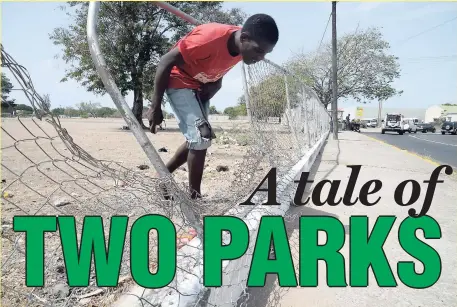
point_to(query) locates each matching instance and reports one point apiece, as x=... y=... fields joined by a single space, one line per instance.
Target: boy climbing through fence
x=191 y=74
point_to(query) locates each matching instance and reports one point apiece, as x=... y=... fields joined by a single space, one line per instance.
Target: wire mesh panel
x=288 y=124
x=46 y=172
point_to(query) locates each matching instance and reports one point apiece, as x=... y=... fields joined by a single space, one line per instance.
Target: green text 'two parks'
x=365 y=250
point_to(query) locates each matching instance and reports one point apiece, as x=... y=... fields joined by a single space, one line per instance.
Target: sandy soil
x=41 y=175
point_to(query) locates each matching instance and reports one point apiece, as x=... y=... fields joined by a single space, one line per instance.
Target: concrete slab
x=391 y=166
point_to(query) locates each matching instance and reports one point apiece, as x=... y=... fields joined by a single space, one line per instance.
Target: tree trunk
x=137 y=109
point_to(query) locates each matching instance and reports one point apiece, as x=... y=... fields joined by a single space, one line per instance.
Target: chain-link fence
x=44 y=172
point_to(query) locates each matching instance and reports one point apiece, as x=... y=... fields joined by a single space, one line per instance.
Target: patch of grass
x=243 y=139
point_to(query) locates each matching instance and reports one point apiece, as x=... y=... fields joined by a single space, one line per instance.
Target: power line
x=432 y=62
x=428 y=30
x=325 y=31
x=431 y=57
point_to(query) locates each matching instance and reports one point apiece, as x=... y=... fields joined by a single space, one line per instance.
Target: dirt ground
x=40 y=175
x=104 y=139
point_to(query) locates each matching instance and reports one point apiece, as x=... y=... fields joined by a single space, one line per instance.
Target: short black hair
x=262 y=27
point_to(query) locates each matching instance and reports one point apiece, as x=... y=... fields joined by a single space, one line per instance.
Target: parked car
x=426 y=127
x=373 y=123
x=366 y=122
x=449 y=127
x=415 y=120
x=409 y=126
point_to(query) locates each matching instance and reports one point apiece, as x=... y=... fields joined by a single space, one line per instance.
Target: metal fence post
x=288 y=108
x=289 y=113
x=307 y=117
x=124 y=109
x=246 y=91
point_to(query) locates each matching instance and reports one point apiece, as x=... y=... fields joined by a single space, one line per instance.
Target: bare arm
x=167 y=61
x=166 y=64
x=210 y=89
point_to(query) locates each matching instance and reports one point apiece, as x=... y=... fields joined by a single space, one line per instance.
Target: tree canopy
x=268 y=98
x=238 y=110
x=213 y=110
x=366 y=71
x=132 y=36
x=89 y=108
x=7 y=86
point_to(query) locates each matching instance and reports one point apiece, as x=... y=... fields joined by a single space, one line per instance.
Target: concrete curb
x=187 y=288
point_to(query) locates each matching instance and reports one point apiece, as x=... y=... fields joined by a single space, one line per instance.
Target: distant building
x=371 y=112
x=451 y=117
x=340 y=111
x=449 y=112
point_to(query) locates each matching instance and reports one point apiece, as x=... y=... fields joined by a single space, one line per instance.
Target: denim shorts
x=189 y=116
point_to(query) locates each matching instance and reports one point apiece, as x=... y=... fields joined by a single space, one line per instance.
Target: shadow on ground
x=262 y=297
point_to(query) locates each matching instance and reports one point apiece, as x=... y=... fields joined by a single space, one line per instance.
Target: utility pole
x=379 y=114
x=334 y=78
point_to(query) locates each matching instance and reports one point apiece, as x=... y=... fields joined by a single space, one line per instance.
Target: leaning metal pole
x=116 y=95
x=122 y=106
x=177 y=12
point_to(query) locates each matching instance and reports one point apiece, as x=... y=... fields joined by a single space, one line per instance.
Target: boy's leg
x=196 y=163
x=193 y=125
x=179 y=158
x=196 y=158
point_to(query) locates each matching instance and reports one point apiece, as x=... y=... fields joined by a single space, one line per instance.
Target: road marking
x=433 y=141
x=426 y=159
x=406 y=151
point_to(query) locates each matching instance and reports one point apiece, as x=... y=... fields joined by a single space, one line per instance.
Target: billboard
x=359 y=112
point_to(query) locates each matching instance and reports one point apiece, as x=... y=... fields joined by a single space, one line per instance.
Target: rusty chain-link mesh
x=44 y=172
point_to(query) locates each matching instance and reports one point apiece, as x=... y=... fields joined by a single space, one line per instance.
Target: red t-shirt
x=205 y=54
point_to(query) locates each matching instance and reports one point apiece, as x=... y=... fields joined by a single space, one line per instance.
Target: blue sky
x=428 y=58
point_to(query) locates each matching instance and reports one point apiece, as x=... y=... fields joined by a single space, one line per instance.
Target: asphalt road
x=440 y=148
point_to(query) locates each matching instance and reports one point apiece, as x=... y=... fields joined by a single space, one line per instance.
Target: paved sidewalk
x=391 y=166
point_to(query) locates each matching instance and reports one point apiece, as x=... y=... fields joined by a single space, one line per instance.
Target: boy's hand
x=155 y=117
x=208 y=90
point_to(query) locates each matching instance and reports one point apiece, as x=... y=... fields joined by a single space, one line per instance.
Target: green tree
x=104 y=112
x=238 y=110
x=366 y=71
x=268 y=98
x=7 y=86
x=230 y=112
x=89 y=108
x=71 y=112
x=133 y=36
x=58 y=111
x=44 y=107
x=23 y=107
x=213 y=110
x=241 y=107
x=46 y=102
